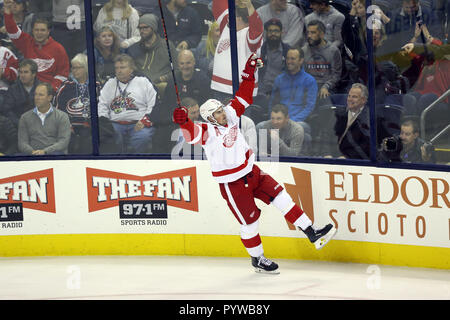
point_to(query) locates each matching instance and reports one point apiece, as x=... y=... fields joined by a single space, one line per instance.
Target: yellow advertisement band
x=222 y=245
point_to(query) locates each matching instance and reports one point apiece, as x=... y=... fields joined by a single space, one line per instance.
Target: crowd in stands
x=311 y=97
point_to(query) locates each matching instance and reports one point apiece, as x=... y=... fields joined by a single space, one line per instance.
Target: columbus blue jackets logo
x=123 y=103
x=78 y=107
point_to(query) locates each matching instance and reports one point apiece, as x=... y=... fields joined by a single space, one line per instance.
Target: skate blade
x=258 y=270
x=320 y=243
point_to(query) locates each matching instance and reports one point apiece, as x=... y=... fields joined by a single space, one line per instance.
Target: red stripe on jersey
x=294 y=214
x=225 y=81
x=252 y=242
x=234 y=170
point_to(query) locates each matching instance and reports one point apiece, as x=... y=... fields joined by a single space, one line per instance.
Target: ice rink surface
x=211 y=278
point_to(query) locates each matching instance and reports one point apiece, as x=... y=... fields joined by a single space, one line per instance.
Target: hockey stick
x=170 y=55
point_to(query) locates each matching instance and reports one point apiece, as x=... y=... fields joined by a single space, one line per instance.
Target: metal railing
x=427 y=109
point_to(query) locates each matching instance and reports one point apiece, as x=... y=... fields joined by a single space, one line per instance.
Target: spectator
x=8 y=70
x=150 y=53
x=127 y=100
x=295 y=88
x=322 y=59
x=191 y=81
x=193 y=108
x=22 y=17
x=411 y=22
x=183 y=24
x=20 y=96
x=249 y=33
x=434 y=77
x=183 y=149
x=389 y=66
x=145 y=6
x=291 y=17
x=51 y=57
x=41 y=7
x=354 y=31
x=8 y=137
x=273 y=53
x=73 y=98
x=281 y=131
x=44 y=129
x=352 y=125
x=414 y=149
x=122 y=18
x=69 y=25
x=106 y=49
x=331 y=18
x=204 y=53
x=433 y=80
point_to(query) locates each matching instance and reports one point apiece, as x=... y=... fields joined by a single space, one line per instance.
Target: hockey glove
x=180 y=115
x=146 y=121
x=250 y=67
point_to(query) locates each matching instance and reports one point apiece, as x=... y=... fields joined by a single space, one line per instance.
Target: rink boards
x=162 y=207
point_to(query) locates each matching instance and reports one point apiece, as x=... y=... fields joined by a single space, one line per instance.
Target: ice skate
x=264 y=265
x=320 y=237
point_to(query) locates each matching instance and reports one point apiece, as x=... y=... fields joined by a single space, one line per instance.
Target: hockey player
x=240 y=180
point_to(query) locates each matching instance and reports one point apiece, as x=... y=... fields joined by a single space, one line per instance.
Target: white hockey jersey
x=10 y=65
x=126 y=101
x=225 y=147
x=249 y=40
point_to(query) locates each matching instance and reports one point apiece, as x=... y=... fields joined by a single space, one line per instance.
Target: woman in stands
x=106 y=48
x=122 y=18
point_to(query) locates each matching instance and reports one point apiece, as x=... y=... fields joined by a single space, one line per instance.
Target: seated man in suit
x=352 y=126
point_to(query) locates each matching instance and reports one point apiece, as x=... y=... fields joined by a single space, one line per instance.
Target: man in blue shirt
x=295 y=88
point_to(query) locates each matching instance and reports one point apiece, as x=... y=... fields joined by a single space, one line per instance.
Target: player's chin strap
x=214 y=121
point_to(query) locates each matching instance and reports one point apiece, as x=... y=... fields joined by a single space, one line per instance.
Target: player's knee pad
x=283 y=202
x=250 y=230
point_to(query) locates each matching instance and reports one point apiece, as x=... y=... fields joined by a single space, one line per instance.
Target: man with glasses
x=127 y=101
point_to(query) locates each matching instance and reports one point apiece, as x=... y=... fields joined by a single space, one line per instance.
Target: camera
x=428 y=147
x=392 y=144
x=390 y=149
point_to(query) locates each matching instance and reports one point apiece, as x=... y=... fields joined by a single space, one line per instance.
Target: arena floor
x=211 y=278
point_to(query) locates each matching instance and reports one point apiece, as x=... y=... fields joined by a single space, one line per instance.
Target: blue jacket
x=298 y=92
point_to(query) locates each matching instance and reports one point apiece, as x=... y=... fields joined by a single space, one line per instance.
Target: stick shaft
x=170 y=55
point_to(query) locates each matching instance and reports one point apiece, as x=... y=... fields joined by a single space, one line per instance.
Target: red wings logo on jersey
x=223 y=45
x=230 y=138
x=44 y=64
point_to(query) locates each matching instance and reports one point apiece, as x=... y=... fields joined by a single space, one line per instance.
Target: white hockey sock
x=251 y=239
x=292 y=212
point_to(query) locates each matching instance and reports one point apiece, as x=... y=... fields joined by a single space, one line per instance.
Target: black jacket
x=186 y=27
x=8 y=136
x=18 y=101
x=355 y=143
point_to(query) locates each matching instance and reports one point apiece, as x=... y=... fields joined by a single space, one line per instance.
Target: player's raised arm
x=244 y=96
x=193 y=133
